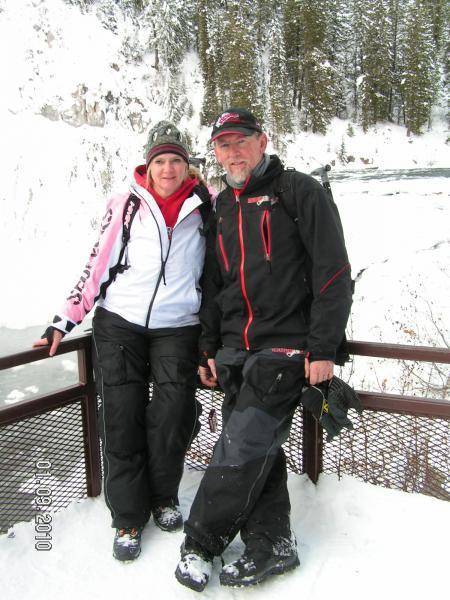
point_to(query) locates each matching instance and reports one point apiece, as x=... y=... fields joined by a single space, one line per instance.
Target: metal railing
x=399 y=441
x=49 y=443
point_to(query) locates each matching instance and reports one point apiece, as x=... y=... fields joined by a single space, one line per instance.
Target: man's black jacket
x=261 y=263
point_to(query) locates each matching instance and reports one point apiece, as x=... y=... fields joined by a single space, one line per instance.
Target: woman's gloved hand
x=51 y=337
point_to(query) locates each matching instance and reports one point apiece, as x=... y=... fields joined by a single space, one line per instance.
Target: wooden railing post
x=90 y=422
x=312 y=446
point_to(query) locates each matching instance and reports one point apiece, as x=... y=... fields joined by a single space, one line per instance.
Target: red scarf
x=170 y=207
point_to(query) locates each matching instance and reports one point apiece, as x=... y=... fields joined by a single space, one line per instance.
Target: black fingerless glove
x=48 y=333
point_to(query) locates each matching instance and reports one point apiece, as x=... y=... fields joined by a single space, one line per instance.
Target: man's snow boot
x=195 y=566
x=127 y=543
x=259 y=563
x=168 y=518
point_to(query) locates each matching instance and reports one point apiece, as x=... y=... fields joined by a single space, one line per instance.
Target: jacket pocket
x=266 y=237
x=223 y=253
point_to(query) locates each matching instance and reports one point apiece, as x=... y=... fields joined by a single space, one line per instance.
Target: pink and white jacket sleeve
x=95 y=276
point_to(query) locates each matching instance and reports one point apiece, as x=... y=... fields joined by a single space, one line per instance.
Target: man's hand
x=318 y=371
x=208 y=375
x=57 y=337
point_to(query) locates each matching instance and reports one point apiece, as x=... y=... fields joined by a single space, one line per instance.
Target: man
x=264 y=333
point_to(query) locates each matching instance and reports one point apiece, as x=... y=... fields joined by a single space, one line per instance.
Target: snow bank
x=385 y=146
x=355 y=541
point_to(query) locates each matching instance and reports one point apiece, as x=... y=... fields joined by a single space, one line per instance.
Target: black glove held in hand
x=341 y=395
x=314 y=398
x=329 y=403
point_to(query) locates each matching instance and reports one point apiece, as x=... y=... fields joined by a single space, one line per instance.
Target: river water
x=389 y=174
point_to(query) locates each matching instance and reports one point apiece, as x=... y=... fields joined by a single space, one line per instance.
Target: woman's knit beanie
x=165 y=137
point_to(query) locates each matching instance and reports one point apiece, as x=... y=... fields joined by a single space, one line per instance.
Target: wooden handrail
x=79 y=342
x=400 y=351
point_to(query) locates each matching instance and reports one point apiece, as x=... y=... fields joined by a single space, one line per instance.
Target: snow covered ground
x=355 y=541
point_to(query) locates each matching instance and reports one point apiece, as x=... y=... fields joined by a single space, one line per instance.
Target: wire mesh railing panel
x=42 y=464
x=400 y=451
x=202 y=447
x=293 y=448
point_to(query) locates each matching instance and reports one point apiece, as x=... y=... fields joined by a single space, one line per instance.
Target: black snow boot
x=258 y=563
x=127 y=543
x=195 y=566
x=168 y=518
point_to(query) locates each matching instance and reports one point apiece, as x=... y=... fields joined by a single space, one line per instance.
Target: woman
x=145 y=271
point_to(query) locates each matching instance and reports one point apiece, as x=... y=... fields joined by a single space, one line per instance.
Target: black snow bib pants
x=245 y=486
x=144 y=441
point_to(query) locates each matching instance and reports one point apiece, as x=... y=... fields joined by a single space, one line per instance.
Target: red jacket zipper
x=222 y=247
x=266 y=236
x=241 y=271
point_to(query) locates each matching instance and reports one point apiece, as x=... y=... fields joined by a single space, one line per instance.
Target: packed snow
x=355 y=541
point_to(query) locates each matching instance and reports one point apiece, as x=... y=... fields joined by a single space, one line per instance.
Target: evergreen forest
x=299 y=63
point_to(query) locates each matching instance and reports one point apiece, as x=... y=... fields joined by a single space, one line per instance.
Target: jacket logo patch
x=288 y=351
x=259 y=200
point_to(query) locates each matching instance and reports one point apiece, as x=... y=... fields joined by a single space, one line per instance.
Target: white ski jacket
x=161 y=286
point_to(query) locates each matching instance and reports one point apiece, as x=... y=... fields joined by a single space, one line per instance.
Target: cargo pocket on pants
x=173 y=369
x=275 y=383
x=111 y=359
x=174 y=411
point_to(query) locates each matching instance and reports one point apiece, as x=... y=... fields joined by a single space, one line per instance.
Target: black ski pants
x=144 y=442
x=244 y=488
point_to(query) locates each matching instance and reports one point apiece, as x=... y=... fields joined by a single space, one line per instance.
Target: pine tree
x=338 y=46
x=419 y=75
x=437 y=13
x=264 y=13
x=355 y=67
x=376 y=61
x=396 y=17
x=239 y=75
x=292 y=42
x=317 y=91
x=278 y=82
x=215 y=22
x=171 y=37
x=211 y=105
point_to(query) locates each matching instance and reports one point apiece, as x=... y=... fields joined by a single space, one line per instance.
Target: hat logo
x=227 y=117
